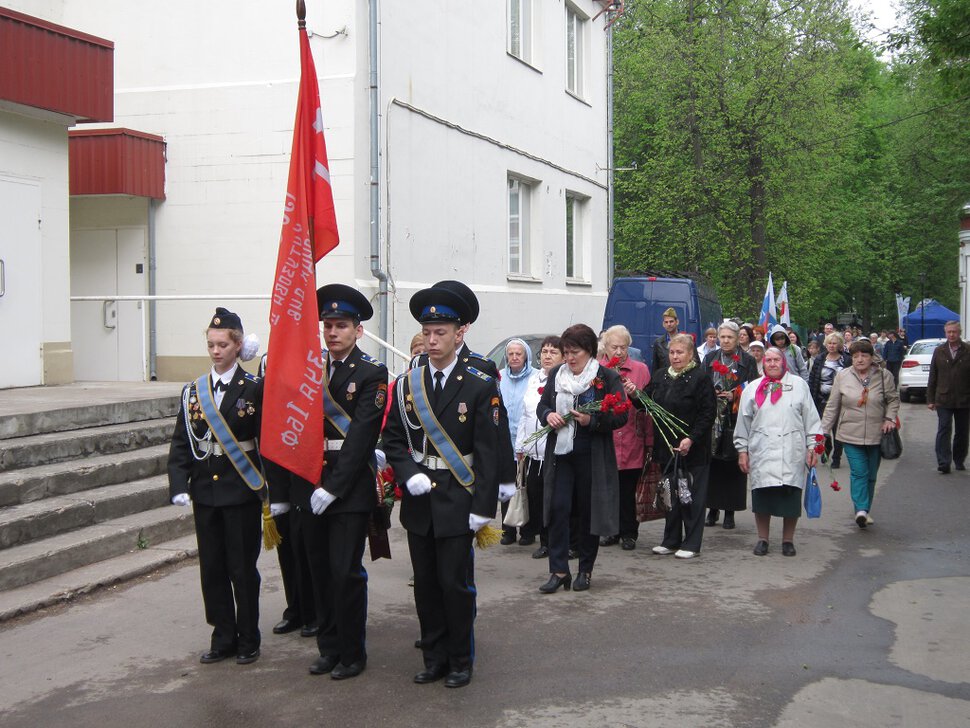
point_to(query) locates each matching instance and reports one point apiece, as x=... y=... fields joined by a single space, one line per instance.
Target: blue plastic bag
x=813 y=495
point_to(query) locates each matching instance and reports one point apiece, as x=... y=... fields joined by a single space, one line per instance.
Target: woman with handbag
x=776 y=436
x=686 y=392
x=530 y=456
x=862 y=407
x=580 y=457
x=730 y=369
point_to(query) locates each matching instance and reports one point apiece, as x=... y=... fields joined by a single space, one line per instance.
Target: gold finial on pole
x=301 y=13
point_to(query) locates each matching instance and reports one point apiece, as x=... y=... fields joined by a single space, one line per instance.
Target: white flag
x=902 y=307
x=784 y=315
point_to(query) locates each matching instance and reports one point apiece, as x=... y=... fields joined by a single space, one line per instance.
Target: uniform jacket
x=605 y=498
x=860 y=424
x=214 y=480
x=777 y=436
x=949 y=383
x=469 y=412
x=359 y=386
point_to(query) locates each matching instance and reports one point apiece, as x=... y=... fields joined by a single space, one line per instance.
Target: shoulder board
x=250 y=377
x=481 y=375
x=474 y=355
x=371 y=360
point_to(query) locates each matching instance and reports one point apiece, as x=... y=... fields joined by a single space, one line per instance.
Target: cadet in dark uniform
x=299 y=613
x=442 y=439
x=332 y=516
x=227 y=511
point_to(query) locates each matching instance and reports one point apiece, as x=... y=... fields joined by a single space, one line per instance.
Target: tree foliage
x=767 y=136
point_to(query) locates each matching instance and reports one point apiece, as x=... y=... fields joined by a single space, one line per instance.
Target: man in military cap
x=442 y=441
x=332 y=515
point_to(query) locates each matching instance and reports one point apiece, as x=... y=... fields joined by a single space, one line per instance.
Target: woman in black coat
x=580 y=457
x=685 y=391
x=729 y=369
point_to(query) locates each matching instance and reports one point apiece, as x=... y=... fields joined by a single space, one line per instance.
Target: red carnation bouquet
x=674 y=425
x=612 y=403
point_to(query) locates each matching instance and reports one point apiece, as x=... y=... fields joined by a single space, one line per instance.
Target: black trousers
x=894 y=367
x=533 y=491
x=334 y=546
x=445 y=598
x=684 y=525
x=955 y=423
x=229 y=539
x=295 y=571
x=574 y=475
x=629 y=525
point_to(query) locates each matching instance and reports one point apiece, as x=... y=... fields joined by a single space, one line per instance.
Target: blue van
x=638 y=302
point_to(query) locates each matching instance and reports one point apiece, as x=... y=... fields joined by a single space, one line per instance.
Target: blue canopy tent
x=927 y=319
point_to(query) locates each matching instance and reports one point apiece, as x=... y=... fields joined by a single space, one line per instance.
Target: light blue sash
x=331 y=410
x=432 y=428
x=227 y=441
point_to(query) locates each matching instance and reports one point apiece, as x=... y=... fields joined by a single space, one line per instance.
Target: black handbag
x=890 y=445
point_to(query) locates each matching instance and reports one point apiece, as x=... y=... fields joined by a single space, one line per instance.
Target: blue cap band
x=441 y=311
x=342 y=308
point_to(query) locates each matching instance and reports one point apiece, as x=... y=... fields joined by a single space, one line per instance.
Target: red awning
x=51 y=67
x=116 y=162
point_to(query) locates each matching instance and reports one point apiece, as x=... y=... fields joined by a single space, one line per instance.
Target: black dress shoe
x=245 y=658
x=761 y=548
x=324 y=664
x=609 y=540
x=216 y=656
x=508 y=538
x=555 y=581
x=582 y=581
x=960 y=466
x=711 y=517
x=458 y=679
x=342 y=671
x=309 y=630
x=787 y=548
x=285 y=626
x=945 y=469
x=541 y=553
x=526 y=540
x=431 y=674
x=628 y=544
x=728 y=520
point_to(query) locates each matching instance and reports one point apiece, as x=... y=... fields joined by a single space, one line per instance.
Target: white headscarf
x=568 y=387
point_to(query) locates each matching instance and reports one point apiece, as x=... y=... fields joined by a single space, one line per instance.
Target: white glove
x=381 y=459
x=320 y=500
x=506 y=491
x=477 y=523
x=419 y=484
x=181 y=499
x=278 y=509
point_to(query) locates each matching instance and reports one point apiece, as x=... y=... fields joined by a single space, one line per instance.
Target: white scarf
x=568 y=387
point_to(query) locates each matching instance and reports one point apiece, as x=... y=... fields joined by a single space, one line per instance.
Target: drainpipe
x=375 y=190
x=152 y=327
x=611 y=264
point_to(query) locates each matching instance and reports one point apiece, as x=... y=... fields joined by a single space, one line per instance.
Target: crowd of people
x=574 y=437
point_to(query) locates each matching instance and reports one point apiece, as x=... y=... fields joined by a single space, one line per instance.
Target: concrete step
x=42 y=481
x=37 y=560
x=87 y=579
x=34 y=450
x=51 y=516
x=52 y=409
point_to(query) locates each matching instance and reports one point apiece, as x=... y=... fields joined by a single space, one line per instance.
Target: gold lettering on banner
x=309 y=389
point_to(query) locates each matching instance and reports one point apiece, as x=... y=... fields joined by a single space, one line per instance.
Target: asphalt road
x=862 y=628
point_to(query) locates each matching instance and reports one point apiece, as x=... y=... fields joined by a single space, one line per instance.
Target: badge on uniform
x=243 y=408
x=462 y=411
x=351 y=388
x=381 y=397
x=495 y=417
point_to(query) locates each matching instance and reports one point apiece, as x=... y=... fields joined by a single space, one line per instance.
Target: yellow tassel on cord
x=487 y=536
x=271 y=536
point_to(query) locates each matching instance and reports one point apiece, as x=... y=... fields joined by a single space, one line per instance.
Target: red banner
x=292 y=428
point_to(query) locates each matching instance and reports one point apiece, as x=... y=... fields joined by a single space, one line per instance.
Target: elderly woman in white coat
x=776 y=434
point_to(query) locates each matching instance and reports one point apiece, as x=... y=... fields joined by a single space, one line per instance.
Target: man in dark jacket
x=948 y=393
x=893 y=352
x=659 y=361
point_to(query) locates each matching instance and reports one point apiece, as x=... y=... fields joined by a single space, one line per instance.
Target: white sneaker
x=685 y=554
x=869 y=520
x=662 y=550
x=861 y=519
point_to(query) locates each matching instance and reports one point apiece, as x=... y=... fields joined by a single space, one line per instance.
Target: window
x=520 y=204
x=575 y=44
x=520 y=29
x=574 y=236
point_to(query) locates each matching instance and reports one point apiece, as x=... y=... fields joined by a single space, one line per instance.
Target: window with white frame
x=574 y=236
x=575 y=50
x=520 y=216
x=520 y=29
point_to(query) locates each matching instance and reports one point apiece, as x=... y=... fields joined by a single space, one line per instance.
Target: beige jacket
x=855 y=424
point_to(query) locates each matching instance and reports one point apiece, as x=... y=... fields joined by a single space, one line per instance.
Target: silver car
x=915 y=370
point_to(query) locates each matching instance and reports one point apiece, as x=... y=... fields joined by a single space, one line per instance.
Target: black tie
x=220 y=386
x=334 y=367
x=439 y=378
